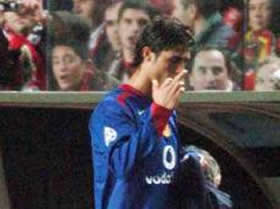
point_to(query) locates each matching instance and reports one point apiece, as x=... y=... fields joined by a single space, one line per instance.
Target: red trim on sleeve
x=160 y=117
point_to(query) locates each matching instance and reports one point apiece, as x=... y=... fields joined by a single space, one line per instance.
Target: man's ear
x=148 y=54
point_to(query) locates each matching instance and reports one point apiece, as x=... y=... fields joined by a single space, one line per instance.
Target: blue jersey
x=135 y=152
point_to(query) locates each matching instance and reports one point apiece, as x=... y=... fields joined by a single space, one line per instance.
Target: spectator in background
x=204 y=18
x=71 y=69
x=268 y=75
x=259 y=39
x=18 y=23
x=211 y=70
x=133 y=16
x=108 y=45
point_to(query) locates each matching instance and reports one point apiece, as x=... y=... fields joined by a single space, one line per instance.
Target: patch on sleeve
x=110 y=135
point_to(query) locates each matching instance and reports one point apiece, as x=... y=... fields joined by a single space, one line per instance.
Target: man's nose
x=210 y=77
x=259 y=12
x=135 y=27
x=62 y=67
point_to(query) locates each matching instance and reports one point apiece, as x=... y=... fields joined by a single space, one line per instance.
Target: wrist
x=160 y=115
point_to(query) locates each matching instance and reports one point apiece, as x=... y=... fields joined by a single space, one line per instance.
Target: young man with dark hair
x=135 y=141
x=132 y=18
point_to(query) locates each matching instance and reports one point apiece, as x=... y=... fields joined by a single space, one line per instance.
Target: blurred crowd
x=89 y=45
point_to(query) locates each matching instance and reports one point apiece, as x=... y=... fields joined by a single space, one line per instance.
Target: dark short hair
x=137 y=5
x=206 y=8
x=163 y=34
x=70 y=30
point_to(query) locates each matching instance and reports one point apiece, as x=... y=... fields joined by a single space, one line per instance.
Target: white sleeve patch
x=110 y=135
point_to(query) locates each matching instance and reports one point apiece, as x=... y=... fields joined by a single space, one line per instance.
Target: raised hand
x=168 y=93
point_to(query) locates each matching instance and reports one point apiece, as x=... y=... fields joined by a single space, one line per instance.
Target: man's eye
x=127 y=21
x=55 y=62
x=69 y=60
x=175 y=60
x=252 y=8
x=202 y=70
x=109 y=23
x=217 y=70
x=142 y=22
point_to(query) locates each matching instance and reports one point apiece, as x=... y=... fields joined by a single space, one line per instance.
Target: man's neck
x=140 y=82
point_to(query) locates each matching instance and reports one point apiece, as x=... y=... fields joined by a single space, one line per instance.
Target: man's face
x=111 y=21
x=84 y=8
x=67 y=68
x=209 y=71
x=264 y=78
x=131 y=25
x=168 y=64
x=181 y=13
x=19 y=22
x=259 y=14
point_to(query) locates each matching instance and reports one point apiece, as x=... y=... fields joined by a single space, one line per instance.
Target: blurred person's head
x=211 y=70
x=209 y=164
x=68 y=56
x=91 y=10
x=111 y=25
x=132 y=19
x=190 y=12
x=259 y=14
x=21 y=19
x=268 y=75
x=64 y=24
x=68 y=67
x=163 y=49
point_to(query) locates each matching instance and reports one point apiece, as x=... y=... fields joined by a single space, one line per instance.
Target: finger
x=178 y=81
x=167 y=82
x=176 y=86
x=180 y=76
x=176 y=97
x=174 y=93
